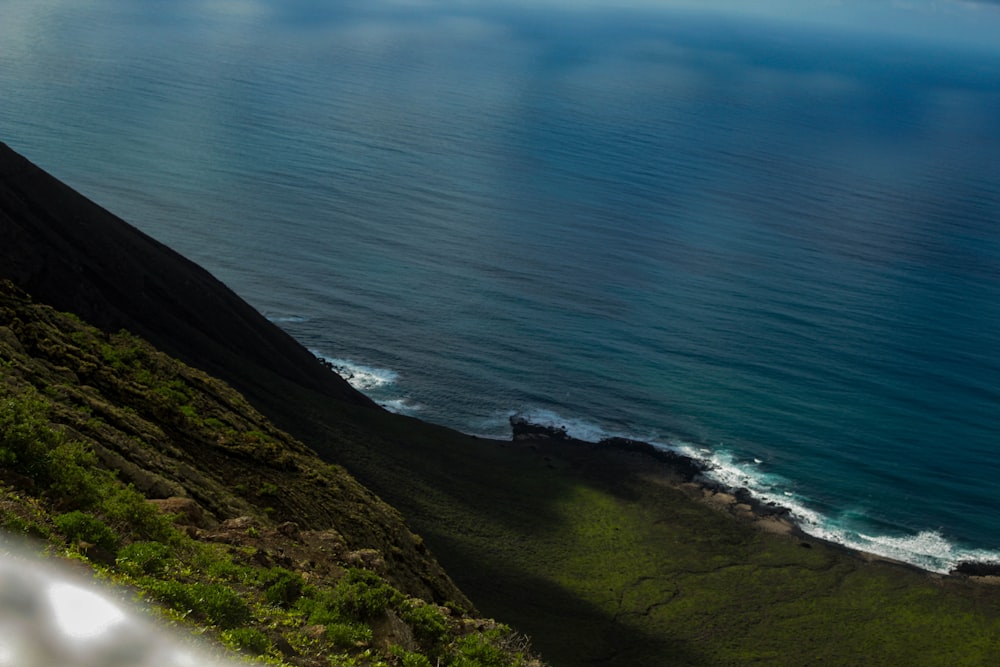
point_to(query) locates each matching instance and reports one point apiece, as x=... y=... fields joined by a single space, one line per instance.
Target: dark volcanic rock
x=977 y=569
x=523 y=429
x=687 y=467
x=67 y=251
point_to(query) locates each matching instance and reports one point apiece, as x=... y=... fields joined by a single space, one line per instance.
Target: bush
x=348 y=635
x=221 y=566
x=141 y=558
x=26 y=435
x=364 y=595
x=73 y=477
x=268 y=490
x=249 y=640
x=129 y=510
x=78 y=525
x=317 y=607
x=216 y=603
x=482 y=651
x=12 y=523
x=282 y=587
x=429 y=625
x=408 y=659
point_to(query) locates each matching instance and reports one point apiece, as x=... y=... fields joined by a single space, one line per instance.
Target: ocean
x=771 y=240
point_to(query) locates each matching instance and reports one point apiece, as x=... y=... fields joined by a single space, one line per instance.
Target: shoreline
x=688 y=474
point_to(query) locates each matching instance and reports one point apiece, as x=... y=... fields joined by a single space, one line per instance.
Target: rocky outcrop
x=977 y=569
x=686 y=467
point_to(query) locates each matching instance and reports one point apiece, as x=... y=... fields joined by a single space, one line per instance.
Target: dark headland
x=607 y=553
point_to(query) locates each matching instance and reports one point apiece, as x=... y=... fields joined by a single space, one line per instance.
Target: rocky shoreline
x=690 y=473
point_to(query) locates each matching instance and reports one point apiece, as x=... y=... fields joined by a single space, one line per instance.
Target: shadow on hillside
x=490 y=512
x=567 y=630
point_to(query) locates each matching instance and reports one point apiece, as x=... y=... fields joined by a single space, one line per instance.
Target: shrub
x=348 y=635
x=73 y=477
x=216 y=603
x=282 y=587
x=69 y=471
x=26 y=436
x=129 y=510
x=144 y=558
x=414 y=659
x=429 y=625
x=320 y=608
x=79 y=525
x=221 y=566
x=481 y=650
x=408 y=659
x=249 y=640
x=363 y=595
x=268 y=490
x=12 y=523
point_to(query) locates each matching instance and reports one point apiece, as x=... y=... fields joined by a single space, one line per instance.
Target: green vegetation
x=92 y=426
x=141 y=558
x=600 y=555
x=84 y=527
x=215 y=604
x=282 y=587
x=363 y=595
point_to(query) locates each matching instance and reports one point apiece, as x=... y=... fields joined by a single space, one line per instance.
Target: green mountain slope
x=605 y=556
x=248 y=532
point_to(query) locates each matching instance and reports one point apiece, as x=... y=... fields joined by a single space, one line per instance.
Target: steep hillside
x=103 y=438
x=604 y=555
x=69 y=252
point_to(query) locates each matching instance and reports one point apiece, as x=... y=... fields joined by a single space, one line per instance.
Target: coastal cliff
x=605 y=553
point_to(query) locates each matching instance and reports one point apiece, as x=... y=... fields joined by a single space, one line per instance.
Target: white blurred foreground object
x=52 y=618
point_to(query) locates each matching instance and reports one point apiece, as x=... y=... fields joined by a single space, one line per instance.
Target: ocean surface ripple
x=772 y=247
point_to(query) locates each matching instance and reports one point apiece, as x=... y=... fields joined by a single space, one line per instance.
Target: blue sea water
x=769 y=239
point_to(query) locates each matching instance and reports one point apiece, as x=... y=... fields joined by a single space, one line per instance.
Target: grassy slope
x=602 y=565
x=603 y=560
x=280 y=553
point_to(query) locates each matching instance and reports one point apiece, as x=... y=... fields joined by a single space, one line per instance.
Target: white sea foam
x=373 y=382
x=928 y=550
x=362 y=377
x=401 y=406
x=581 y=429
x=282 y=319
